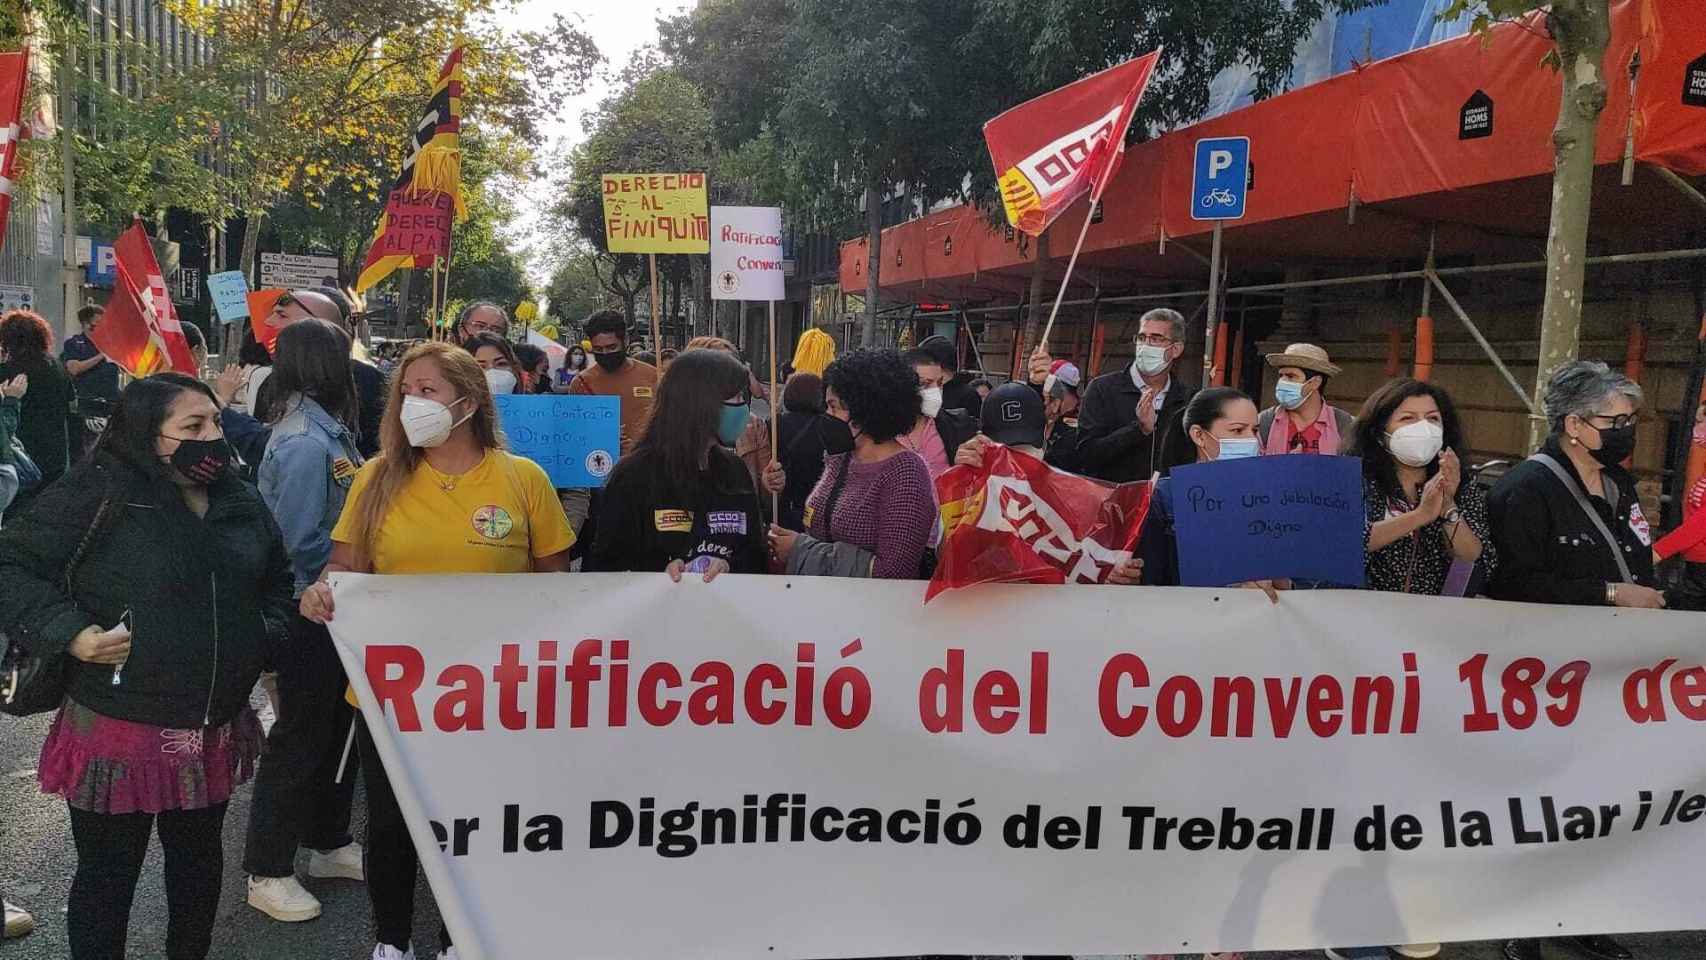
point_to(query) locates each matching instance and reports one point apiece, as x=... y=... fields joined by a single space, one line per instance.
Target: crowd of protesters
x=171 y=581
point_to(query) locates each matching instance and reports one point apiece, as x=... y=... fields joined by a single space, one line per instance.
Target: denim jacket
x=309 y=465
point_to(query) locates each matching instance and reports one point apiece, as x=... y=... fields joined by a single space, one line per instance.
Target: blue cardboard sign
x=1220 y=179
x=103 y=264
x=576 y=439
x=1262 y=518
x=230 y=293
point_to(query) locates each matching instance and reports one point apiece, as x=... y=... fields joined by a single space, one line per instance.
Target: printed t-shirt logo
x=493 y=522
x=673 y=521
x=726 y=521
x=644 y=393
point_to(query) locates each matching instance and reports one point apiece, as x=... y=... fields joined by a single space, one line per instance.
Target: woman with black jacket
x=163 y=579
x=800 y=441
x=683 y=502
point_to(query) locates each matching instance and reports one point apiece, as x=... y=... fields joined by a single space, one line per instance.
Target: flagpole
x=1070 y=264
x=433 y=317
x=775 y=498
x=449 y=251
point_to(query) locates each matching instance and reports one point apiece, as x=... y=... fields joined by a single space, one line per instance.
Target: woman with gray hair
x=1569 y=529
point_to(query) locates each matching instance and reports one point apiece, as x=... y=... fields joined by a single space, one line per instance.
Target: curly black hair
x=606 y=321
x=879 y=390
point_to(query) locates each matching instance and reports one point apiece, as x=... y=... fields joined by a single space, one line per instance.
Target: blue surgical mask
x=731 y=423
x=1238 y=448
x=1289 y=393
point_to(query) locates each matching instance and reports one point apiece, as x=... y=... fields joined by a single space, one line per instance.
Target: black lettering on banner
x=1475 y=121
x=1694 y=83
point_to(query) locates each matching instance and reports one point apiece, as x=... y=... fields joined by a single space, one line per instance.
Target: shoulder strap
x=1575 y=489
x=1265 y=423
x=835 y=494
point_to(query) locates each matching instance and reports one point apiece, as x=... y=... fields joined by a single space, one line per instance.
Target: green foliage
x=577 y=288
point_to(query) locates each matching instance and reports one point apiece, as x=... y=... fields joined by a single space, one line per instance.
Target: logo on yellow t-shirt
x=493 y=522
x=673 y=521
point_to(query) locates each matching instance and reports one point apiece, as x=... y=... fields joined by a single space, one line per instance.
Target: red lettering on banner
x=398 y=693
x=765 y=712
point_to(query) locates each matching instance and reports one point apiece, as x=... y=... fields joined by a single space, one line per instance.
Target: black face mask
x=1615 y=446
x=201 y=460
x=837 y=436
x=611 y=361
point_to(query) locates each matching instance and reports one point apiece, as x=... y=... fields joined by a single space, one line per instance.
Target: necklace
x=446 y=482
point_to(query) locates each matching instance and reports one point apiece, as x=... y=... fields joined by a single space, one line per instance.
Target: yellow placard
x=656 y=213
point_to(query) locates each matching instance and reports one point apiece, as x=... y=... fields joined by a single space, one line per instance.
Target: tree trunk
x=874 y=262
x=700 y=268
x=1582 y=31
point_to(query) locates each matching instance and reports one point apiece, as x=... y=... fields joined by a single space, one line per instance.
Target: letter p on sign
x=1219 y=161
x=1220 y=178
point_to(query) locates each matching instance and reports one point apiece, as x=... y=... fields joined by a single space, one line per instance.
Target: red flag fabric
x=1018 y=520
x=1052 y=150
x=14 y=81
x=140 y=331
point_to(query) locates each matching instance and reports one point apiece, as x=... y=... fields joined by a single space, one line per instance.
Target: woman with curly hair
x=44 y=414
x=873 y=509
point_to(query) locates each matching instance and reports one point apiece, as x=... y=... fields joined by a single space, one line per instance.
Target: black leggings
x=110 y=851
x=391 y=863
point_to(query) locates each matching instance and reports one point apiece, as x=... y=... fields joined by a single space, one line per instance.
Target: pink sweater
x=887 y=508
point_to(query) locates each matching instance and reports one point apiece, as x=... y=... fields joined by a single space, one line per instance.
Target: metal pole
x=1474 y=331
x=657 y=338
x=775 y=414
x=72 y=290
x=1213 y=306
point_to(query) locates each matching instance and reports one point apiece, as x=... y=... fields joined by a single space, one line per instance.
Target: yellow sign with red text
x=656 y=213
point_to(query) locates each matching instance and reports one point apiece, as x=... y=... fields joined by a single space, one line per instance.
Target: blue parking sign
x=1221 y=178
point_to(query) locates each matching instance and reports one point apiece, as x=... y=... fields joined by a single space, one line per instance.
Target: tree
x=576 y=288
x=1581 y=32
x=657 y=121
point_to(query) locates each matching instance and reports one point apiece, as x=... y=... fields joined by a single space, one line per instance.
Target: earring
x=1574 y=442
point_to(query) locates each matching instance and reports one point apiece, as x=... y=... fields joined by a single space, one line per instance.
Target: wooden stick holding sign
x=775 y=414
x=657 y=339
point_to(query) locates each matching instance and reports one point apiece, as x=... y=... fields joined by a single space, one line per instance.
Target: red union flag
x=14 y=80
x=1050 y=151
x=1018 y=520
x=140 y=331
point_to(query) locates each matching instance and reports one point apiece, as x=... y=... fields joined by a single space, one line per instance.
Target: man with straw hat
x=1301 y=421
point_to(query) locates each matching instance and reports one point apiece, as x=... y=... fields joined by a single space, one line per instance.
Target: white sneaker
x=15 y=921
x=344 y=863
x=383 y=952
x=283 y=899
x=1417 y=951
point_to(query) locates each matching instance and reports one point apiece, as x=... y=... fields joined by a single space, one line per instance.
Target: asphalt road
x=37 y=861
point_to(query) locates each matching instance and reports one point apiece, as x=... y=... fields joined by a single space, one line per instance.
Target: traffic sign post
x=1220 y=184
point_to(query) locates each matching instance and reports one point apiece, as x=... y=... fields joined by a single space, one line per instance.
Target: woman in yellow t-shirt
x=443 y=497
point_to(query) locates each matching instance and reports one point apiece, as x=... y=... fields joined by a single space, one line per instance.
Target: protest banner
x=575 y=438
x=653 y=213
x=230 y=293
x=814 y=767
x=1269 y=517
x=746 y=253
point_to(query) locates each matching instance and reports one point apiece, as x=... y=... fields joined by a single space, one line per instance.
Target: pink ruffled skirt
x=104 y=765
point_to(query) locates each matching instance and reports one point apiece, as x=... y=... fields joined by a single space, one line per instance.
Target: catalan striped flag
x=414 y=229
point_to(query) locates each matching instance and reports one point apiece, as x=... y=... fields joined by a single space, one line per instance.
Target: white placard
x=746 y=253
x=1025 y=769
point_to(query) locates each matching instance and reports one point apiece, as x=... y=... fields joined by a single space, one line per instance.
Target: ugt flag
x=1018 y=520
x=14 y=81
x=1052 y=150
x=414 y=227
x=140 y=331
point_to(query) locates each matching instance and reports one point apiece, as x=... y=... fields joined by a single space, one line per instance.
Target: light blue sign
x=230 y=292
x=1220 y=181
x=103 y=264
x=1261 y=518
x=576 y=439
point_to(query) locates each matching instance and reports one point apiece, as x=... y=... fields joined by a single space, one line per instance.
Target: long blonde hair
x=398 y=460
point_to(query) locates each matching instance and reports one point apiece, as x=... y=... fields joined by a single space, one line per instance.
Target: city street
x=39 y=860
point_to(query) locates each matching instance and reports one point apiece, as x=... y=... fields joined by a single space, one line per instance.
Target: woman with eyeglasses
x=164 y=580
x=683 y=501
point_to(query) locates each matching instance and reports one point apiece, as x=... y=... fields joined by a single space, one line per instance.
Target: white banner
x=768 y=767
x=746 y=253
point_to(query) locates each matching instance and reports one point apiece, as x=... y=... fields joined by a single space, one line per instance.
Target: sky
x=619 y=29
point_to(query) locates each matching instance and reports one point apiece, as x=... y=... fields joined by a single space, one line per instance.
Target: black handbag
x=31 y=683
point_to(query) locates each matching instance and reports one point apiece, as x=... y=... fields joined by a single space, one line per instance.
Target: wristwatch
x=1453 y=515
x=1611 y=594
